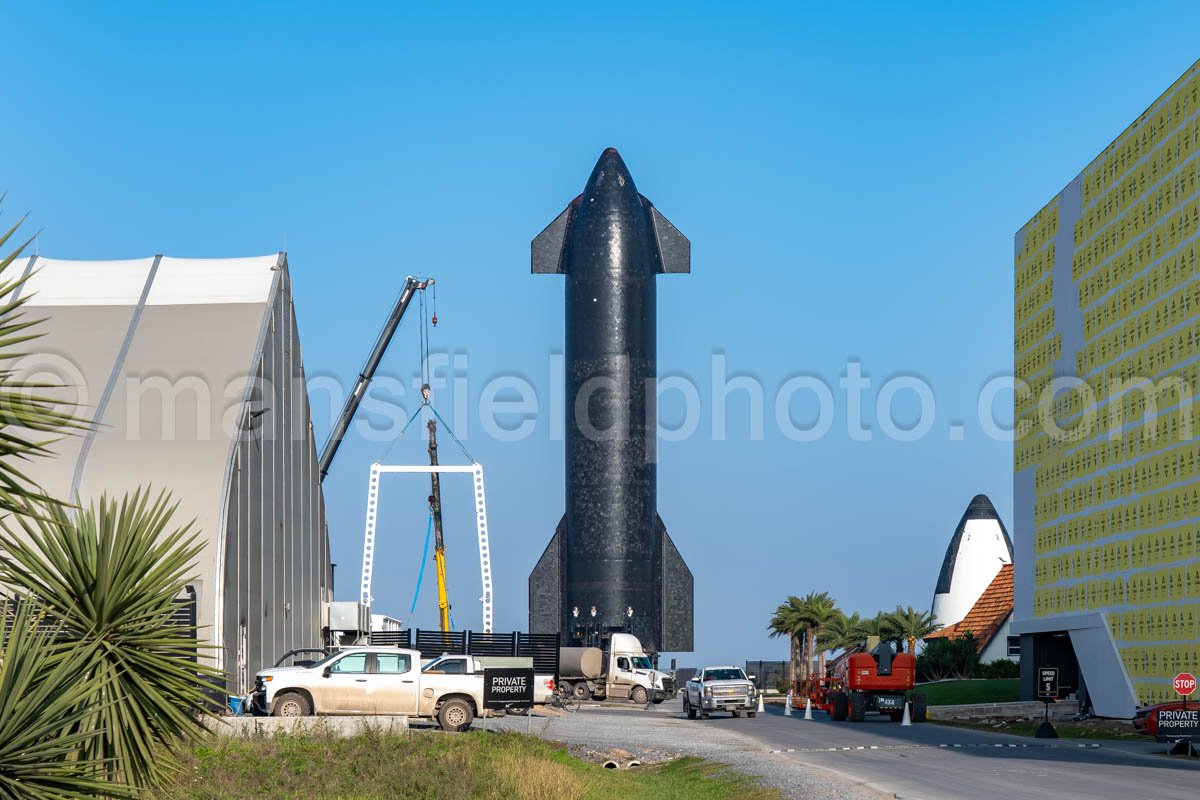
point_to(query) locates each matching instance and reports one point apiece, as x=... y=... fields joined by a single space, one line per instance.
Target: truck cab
x=622 y=671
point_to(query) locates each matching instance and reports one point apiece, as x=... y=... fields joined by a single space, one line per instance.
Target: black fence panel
x=392 y=639
x=434 y=643
x=541 y=647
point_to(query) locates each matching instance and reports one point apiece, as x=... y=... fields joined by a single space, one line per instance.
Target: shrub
x=944 y=658
x=1000 y=668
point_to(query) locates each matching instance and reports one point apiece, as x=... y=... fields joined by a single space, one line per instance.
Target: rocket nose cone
x=610 y=176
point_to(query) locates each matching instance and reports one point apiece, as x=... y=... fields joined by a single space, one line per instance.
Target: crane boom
x=439 y=545
x=329 y=450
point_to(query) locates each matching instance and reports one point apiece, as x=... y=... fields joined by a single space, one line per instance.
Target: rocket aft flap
x=611 y=564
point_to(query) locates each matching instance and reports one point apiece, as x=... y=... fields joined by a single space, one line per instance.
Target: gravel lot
x=596 y=733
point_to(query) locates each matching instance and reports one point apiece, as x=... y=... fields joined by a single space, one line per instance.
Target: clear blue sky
x=850 y=181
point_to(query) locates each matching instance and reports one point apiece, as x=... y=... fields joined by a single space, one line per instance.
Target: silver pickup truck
x=369 y=680
x=720 y=689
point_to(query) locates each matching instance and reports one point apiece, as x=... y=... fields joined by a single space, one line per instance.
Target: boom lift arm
x=329 y=450
x=439 y=545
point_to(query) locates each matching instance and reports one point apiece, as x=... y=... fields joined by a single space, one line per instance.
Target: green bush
x=1000 y=668
x=956 y=658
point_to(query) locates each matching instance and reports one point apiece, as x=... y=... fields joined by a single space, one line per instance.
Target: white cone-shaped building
x=979 y=548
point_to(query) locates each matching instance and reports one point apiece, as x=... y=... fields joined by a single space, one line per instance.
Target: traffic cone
x=808 y=710
x=761 y=709
x=787 y=706
x=907 y=718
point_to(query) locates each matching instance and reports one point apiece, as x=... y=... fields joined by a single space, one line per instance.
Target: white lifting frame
x=485 y=559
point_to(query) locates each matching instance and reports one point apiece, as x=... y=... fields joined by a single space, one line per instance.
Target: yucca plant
x=30 y=420
x=42 y=728
x=110 y=575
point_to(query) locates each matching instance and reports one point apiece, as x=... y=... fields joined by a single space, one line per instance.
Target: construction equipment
x=338 y=432
x=880 y=680
x=439 y=546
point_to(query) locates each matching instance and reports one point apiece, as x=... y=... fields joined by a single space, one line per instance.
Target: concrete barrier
x=1063 y=709
x=332 y=726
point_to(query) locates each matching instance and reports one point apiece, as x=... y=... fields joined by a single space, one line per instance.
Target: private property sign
x=1178 y=723
x=507 y=687
x=1185 y=684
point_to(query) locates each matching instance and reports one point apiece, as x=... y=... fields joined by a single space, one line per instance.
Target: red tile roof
x=988 y=614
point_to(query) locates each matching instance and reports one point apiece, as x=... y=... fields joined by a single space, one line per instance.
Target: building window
x=1014 y=646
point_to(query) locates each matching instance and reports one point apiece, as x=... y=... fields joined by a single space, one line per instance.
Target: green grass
x=432 y=766
x=954 y=693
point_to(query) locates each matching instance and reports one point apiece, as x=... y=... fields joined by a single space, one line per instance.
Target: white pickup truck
x=720 y=689
x=370 y=680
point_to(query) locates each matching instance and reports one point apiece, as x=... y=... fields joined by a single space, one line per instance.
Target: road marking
x=1061 y=746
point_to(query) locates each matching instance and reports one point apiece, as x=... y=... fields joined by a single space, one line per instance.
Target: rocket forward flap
x=547 y=247
x=673 y=246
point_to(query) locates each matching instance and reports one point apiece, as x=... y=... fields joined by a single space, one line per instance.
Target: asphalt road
x=881 y=759
x=934 y=762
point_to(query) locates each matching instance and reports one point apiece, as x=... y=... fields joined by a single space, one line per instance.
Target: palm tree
x=819 y=610
x=788 y=621
x=912 y=625
x=842 y=632
x=111 y=575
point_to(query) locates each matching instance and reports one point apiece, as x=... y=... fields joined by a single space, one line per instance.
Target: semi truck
x=622 y=671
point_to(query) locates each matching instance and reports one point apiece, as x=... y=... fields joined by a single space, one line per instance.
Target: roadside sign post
x=1180 y=727
x=1047 y=692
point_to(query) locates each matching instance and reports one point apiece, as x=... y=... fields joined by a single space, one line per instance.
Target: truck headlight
x=708 y=691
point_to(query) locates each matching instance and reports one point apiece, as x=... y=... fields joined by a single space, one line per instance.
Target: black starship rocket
x=611 y=566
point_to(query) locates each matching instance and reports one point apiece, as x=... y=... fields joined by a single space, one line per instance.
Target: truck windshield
x=641 y=662
x=724 y=675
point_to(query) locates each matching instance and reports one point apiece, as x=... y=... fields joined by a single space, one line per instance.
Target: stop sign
x=1185 y=683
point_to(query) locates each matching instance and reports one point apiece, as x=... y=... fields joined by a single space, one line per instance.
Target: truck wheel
x=858 y=706
x=918 y=708
x=638 y=695
x=839 y=706
x=688 y=708
x=292 y=704
x=455 y=715
x=751 y=714
x=581 y=691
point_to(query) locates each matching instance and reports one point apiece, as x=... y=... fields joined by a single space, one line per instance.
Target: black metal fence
x=767 y=674
x=541 y=647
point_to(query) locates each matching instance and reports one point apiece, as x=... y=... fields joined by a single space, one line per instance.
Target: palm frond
x=42 y=715
x=27 y=408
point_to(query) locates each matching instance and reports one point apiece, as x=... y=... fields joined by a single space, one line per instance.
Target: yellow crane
x=439 y=546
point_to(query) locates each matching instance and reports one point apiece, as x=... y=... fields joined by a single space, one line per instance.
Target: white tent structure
x=192 y=368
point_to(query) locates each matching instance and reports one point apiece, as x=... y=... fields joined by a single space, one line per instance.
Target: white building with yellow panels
x=1107 y=461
